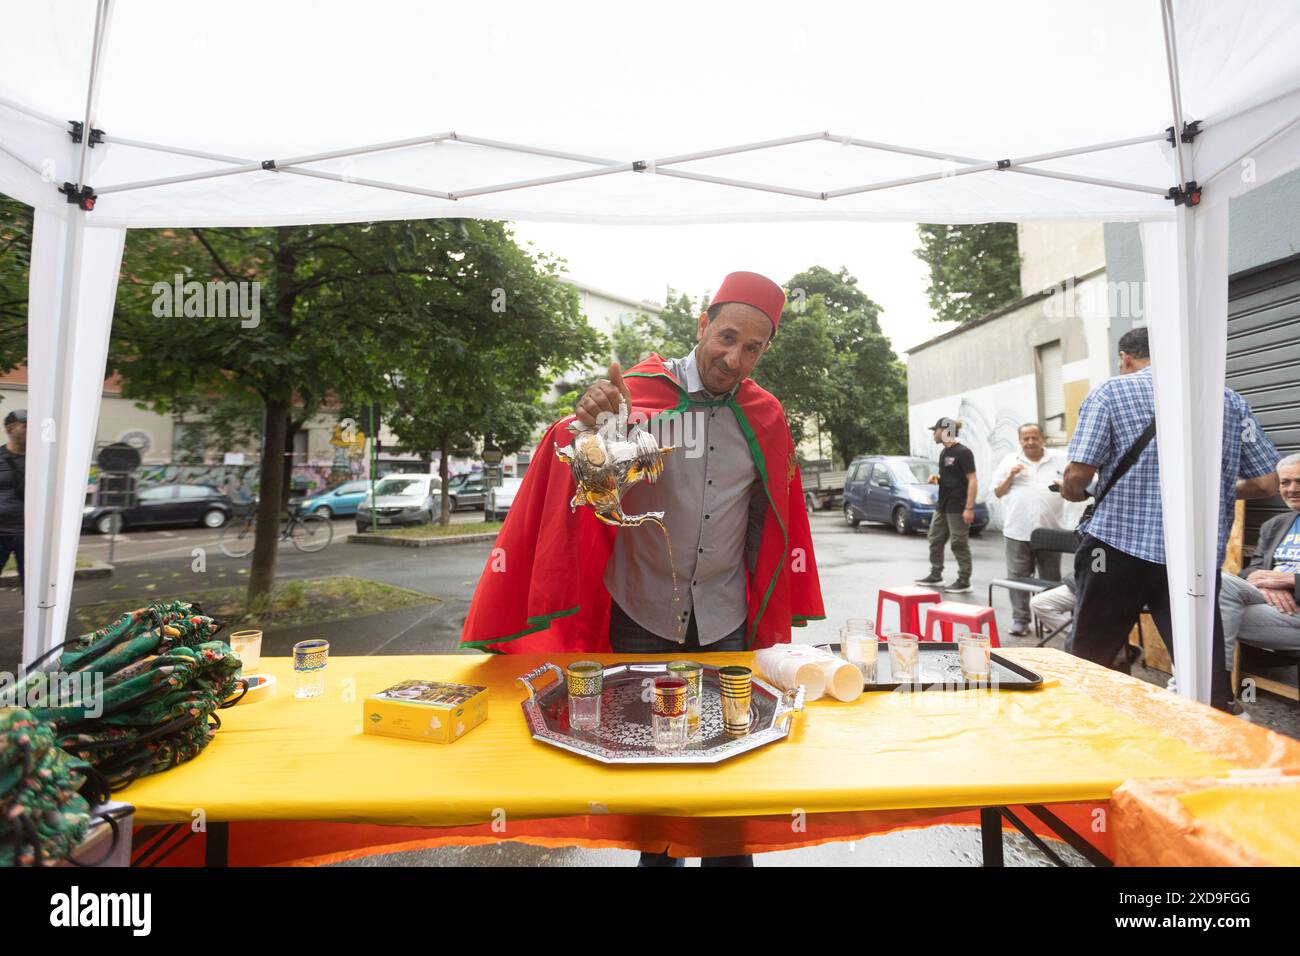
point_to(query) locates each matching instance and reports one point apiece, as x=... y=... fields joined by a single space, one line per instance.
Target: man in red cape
x=548 y=581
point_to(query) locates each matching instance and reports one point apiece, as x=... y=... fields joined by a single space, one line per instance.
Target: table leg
x=991 y=835
x=217 y=846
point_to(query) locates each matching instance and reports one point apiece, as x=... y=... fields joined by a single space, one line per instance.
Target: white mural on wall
x=991 y=416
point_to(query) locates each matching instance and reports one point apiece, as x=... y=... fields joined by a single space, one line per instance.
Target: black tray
x=940 y=670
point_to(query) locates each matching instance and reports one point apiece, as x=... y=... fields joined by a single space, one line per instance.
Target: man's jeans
x=943 y=526
x=1247 y=616
x=1021 y=560
x=12 y=544
x=1112 y=588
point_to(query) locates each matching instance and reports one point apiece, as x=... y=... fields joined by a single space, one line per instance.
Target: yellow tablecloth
x=1208 y=822
x=1076 y=739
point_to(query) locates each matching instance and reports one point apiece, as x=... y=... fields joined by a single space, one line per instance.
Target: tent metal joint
x=268 y=164
x=75 y=129
x=83 y=197
x=1004 y=164
x=1188 y=135
x=1188 y=194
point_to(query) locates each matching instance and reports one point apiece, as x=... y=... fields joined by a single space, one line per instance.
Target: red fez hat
x=752 y=289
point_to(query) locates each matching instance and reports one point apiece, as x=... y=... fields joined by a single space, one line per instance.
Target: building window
x=1051 y=390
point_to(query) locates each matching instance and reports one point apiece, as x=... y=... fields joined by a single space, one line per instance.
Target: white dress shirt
x=1028 y=504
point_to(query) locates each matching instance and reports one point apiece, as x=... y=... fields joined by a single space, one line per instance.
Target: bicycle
x=308 y=533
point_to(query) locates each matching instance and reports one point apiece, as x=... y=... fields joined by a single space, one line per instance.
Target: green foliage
x=15 y=262
x=671 y=333
x=831 y=364
x=974 y=269
x=481 y=368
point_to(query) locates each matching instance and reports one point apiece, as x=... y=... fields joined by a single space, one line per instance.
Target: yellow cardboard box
x=426 y=710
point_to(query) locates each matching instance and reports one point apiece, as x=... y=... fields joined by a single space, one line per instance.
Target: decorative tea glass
x=693 y=674
x=585 y=680
x=309 y=660
x=736 y=686
x=668 y=713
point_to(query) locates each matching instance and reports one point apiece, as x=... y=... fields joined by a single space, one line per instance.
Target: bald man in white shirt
x=1021 y=481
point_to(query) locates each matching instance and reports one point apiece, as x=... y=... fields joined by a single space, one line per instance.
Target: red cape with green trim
x=543 y=588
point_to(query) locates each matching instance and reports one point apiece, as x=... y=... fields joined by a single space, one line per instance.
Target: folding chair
x=1040 y=539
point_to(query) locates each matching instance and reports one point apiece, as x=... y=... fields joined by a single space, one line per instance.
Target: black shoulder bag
x=1128 y=461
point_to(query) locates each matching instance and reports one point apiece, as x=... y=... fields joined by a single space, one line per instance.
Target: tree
x=974 y=269
x=493 y=365
x=671 y=333
x=865 y=411
x=801 y=367
x=335 y=305
x=15 y=264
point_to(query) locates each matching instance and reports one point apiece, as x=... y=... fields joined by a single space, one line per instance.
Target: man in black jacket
x=1261 y=605
x=13 y=484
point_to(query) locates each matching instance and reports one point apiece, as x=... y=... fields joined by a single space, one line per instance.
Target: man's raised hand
x=603 y=397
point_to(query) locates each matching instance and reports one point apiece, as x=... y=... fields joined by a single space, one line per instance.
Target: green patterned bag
x=130 y=699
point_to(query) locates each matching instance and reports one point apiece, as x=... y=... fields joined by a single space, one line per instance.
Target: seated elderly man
x=1260 y=606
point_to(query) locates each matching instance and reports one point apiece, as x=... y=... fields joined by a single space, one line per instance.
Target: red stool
x=909 y=600
x=948 y=613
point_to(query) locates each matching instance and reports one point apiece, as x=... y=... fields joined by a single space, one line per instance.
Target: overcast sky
x=639 y=261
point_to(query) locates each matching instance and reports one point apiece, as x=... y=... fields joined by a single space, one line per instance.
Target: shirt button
x=710 y=481
x=710 y=448
x=701 y=550
x=706 y=517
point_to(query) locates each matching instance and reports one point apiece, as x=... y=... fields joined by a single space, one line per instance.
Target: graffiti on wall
x=241 y=482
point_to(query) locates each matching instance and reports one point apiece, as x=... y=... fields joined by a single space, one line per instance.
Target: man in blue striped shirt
x=1120 y=565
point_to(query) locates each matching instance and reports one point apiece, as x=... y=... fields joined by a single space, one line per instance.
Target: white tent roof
x=620 y=113
x=251 y=81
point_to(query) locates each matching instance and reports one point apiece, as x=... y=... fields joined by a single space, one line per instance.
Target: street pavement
x=853 y=564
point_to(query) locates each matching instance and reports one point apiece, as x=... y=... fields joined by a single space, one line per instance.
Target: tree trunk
x=443 y=473
x=270 y=498
x=290 y=432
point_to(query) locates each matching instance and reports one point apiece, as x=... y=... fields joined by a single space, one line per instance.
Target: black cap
x=17 y=415
x=945 y=424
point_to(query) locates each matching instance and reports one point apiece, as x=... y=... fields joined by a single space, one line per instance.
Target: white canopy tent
x=256 y=113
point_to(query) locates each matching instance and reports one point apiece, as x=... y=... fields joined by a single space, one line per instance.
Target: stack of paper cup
x=788 y=670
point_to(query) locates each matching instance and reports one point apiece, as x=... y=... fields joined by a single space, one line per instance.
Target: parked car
x=160 y=506
x=338 y=502
x=470 y=493
x=500 y=499
x=895 y=490
x=401 y=500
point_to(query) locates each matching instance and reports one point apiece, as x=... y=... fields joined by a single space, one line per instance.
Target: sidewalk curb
x=97 y=569
x=379 y=539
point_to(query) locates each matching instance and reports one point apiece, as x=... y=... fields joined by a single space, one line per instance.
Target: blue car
x=337 y=502
x=895 y=490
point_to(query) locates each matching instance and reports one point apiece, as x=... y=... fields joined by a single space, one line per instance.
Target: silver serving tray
x=625 y=734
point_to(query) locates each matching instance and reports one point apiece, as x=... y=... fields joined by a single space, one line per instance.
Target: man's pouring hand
x=603 y=398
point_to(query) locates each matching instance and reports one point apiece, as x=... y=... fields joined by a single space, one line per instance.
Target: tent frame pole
x=34 y=114
x=47 y=582
x=1175 y=90
x=373 y=183
x=96 y=49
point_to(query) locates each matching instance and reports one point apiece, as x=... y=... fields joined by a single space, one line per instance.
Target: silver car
x=401 y=500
